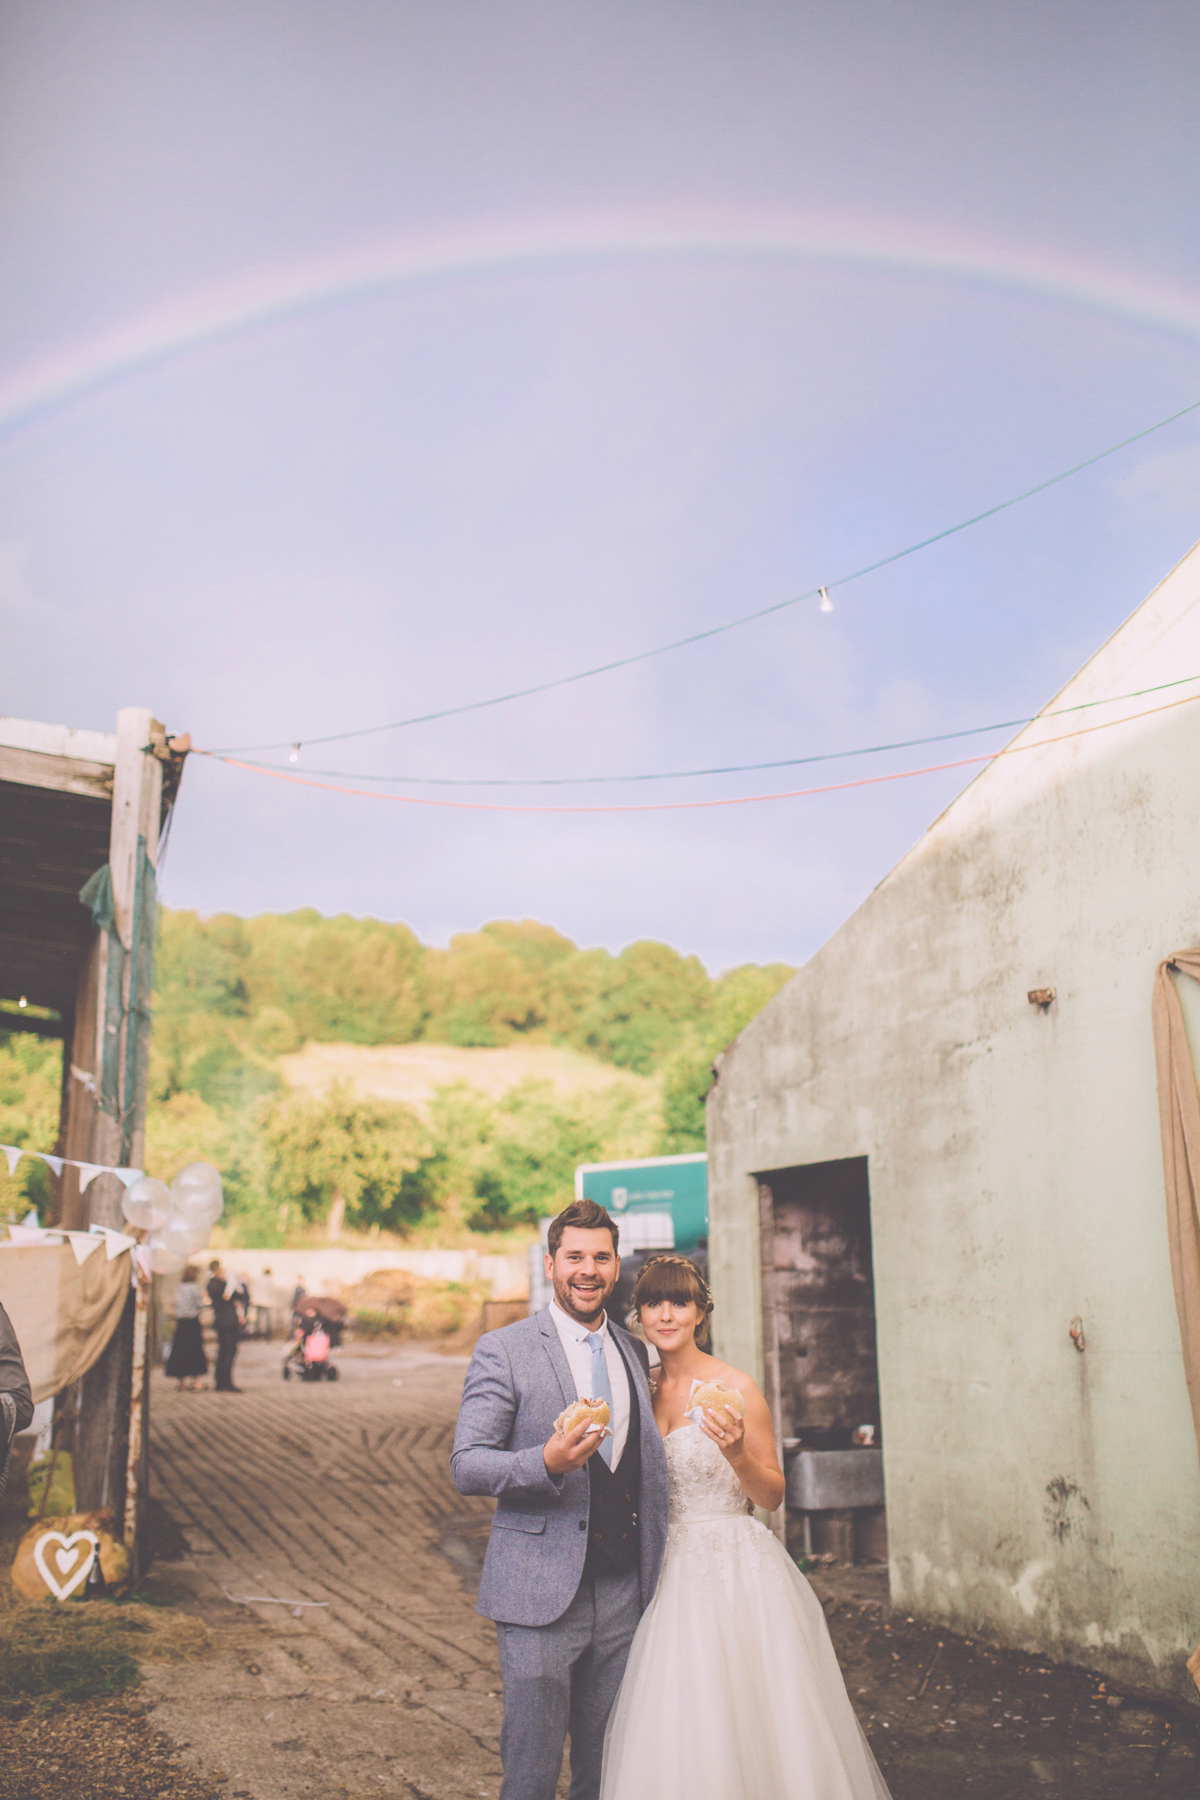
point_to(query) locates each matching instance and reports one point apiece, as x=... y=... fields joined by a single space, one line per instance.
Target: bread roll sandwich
x=715 y=1394
x=595 y=1410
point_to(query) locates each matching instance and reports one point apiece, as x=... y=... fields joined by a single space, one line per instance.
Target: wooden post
x=136 y=1460
x=111 y=1402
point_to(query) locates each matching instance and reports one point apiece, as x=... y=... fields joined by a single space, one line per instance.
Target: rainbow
x=261 y=299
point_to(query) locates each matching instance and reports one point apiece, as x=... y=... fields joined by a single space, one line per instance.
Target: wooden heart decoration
x=73 y=1554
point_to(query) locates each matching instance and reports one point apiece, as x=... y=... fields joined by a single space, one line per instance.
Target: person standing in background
x=16 y=1397
x=226 y=1324
x=262 y=1303
x=187 y=1364
x=241 y=1299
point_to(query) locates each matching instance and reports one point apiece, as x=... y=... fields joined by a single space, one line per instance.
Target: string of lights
x=497 y=806
x=787 y=762
x=820 y=594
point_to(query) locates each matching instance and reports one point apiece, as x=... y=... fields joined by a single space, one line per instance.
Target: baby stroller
x=318 y=1324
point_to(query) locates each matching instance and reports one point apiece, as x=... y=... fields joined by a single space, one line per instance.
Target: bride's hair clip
x=677 y=1279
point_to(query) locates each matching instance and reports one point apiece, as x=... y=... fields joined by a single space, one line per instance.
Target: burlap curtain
x=63 y=1311
x=1179 y=1115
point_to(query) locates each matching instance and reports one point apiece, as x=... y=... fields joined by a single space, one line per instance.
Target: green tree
x=199 y=1002
x=496 y=1164
x=480 y=991
x=737 y=997
x=185 y=1129
x=643 y=999
x=30 y=1098
x=342 y=980
x=338 y=1151
x=687 y=1079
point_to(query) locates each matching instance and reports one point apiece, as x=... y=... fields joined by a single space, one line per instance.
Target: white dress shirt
x=578 y=1351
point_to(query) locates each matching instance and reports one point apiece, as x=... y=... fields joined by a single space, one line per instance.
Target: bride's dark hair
x=677 y=1279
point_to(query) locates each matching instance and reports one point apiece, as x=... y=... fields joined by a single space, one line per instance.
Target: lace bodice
x=702 y=1484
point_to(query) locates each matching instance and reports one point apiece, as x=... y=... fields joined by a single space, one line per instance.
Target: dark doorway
x=822 y=1374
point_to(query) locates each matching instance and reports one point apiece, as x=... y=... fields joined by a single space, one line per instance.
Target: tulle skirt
x=733 y=1690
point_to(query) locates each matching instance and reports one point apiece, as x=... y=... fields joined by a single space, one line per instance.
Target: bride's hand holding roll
x=747 y=1442
x=727 y=1429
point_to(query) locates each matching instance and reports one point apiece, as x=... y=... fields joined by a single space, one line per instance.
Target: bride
x=732 y=1690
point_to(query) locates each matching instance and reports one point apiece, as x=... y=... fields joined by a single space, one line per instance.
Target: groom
x=581 y=1525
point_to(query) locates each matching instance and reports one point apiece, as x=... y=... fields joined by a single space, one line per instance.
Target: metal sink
x=822 y=1480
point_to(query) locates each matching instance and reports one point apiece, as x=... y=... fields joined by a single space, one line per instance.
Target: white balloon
x=146 y=1203
x=197 y=1175
x=196 y=1191
x=197 y=1205
x=163 y=1260
x=184 y=1236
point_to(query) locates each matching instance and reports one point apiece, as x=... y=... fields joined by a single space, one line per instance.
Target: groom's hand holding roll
x=569 y=1450
x=578 y=1432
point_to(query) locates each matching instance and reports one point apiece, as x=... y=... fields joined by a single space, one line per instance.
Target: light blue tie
x=601 y=1389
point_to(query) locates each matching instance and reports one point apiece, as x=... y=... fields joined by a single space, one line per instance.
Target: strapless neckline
x=702 y=1484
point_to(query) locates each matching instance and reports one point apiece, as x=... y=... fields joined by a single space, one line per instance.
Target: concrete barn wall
x=1048 y=1497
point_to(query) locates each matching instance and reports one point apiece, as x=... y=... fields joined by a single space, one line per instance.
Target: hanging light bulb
x=294 y=753
x=22 y=1002
x=826 y=602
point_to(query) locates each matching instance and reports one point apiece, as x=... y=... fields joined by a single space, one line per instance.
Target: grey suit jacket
x=516 y=1386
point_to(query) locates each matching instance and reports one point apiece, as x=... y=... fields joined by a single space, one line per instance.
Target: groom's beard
x=586 y=1308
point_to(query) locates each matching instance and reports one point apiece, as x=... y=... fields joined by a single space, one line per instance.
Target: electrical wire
x=698 y=637
x=494 y=806
x=787 y=762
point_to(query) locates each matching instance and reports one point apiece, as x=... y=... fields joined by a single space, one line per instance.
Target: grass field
x=411 y=1074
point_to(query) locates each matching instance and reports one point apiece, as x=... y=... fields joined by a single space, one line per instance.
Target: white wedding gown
x=732 y=1690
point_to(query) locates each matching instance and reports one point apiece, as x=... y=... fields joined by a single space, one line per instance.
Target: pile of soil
x=393 y=1303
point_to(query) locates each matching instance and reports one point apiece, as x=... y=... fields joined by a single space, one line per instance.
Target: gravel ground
x=950 y=1716
x=93 y=1750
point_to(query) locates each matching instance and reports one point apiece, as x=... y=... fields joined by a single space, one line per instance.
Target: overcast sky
x=593 y=407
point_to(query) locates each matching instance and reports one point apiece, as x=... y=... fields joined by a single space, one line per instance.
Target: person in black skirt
x=187 y=1364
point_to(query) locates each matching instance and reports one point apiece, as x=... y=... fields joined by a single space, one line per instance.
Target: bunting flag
x=115 y=1242
x=83 y=1243
x=88 y=1171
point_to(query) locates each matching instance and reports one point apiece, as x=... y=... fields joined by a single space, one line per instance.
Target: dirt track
x=337 y=1495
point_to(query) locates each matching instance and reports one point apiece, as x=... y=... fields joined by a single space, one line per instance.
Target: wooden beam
x=58 y=740
x=65 y=774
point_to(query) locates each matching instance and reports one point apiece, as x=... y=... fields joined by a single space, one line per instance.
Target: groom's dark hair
x=584 y=1215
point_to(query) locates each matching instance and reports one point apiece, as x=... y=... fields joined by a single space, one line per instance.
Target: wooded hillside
x=235 y=995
